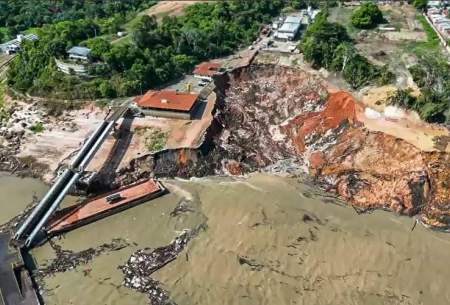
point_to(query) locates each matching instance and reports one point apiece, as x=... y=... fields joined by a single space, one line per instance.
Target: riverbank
x=284 y=120
x=264 y=239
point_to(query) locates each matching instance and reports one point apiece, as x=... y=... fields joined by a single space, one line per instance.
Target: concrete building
x=13 y=46
x=206 y=70
x=435 y=4
x=168 y=104
x=291 y=25
x=440 y=21
x=79 y=53
x=289 y=29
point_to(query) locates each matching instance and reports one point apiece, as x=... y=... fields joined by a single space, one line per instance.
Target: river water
x=268 y=240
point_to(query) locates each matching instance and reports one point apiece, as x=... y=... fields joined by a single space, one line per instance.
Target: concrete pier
x=16 y=285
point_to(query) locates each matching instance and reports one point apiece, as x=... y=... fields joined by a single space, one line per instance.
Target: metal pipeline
x=58 y=184
x=86 y=146
x=80 y=161
x=72 y=181
x=43 y=203
x=96 y=146
x=52 y=208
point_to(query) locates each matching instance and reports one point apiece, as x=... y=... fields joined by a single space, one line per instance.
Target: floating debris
x=67 y=260
x=143 y=263
x=182 y=207
x=254 y=266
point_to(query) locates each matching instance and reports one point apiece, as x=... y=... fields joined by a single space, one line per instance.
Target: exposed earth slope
x=277 y=118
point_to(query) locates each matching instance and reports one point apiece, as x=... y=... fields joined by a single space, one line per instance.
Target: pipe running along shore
x=53 y=198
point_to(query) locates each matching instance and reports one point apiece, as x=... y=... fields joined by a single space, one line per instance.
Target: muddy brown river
x=268 y=240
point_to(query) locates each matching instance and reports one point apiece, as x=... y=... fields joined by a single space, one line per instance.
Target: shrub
x=37 y=128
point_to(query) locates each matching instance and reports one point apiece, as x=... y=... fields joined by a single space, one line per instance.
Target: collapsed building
x=206 y=70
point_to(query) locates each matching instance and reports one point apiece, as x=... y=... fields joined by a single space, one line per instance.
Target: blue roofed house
x=78 y=63
x=80 y=53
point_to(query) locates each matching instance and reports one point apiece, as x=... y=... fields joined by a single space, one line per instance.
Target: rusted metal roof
x=168 y=100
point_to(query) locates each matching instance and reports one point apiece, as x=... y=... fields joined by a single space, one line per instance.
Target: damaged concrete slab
x=16 y=286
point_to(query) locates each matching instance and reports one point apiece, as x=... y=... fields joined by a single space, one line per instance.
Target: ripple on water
x=264 y=243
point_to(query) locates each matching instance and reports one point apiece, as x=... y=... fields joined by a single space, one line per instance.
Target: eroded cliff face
x=269 y=114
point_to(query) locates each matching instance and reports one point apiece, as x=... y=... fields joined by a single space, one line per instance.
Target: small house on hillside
x=206 y=70
x=79 y=53
x=13 y=46
x=168 y=104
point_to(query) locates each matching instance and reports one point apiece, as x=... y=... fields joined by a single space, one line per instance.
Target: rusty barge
x=103 y=205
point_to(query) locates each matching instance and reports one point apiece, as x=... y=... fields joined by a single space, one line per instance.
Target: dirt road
x=169 y=8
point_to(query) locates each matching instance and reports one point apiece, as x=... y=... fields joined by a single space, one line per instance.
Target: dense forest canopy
x=155 y=54
x=17 y=16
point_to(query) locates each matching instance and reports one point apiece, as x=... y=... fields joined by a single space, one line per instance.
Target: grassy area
x=2 y=95
x=155 y=139
x=432 y=43
x=342 y=15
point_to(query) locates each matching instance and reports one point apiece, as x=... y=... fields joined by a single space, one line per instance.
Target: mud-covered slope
x=268 y=114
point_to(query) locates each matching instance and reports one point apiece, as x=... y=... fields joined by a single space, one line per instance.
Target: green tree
x=321 y=40
x=99 y=47
x=328 y=45
x=107 y=90
x=367 y=16
x=420 y=4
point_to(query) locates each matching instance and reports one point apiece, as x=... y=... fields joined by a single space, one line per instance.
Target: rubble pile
x=143 y=263
x=67 y=260
x=17 y=123
x=258 y=104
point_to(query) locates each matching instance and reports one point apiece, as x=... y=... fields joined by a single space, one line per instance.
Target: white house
x=13 y=46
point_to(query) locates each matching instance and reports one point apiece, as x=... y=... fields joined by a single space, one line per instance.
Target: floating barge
x=103 y=205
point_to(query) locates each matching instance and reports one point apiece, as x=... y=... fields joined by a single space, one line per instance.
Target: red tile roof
x=208 y=68
x=167 y=100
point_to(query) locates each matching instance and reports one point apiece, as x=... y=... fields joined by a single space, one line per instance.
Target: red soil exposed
x=275 y=118
x=340 y=107
x=372 y=169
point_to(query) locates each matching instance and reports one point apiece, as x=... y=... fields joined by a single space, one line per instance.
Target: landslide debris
x=274 y=118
